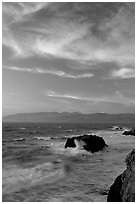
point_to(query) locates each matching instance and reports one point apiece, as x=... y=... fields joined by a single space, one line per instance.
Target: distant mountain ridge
x=65 y=117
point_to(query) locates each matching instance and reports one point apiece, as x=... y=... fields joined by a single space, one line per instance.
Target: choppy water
x=36 y=167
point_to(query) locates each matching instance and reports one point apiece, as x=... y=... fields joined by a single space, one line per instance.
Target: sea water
x=37 y=167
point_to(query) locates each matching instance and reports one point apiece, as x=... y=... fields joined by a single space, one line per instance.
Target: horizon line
x=67 y=112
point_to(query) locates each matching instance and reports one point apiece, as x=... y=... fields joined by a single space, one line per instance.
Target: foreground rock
x=90 y=143
x=123 y=188
x=130 y=132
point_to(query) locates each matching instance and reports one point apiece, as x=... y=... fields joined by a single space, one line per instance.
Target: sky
x=68 y=56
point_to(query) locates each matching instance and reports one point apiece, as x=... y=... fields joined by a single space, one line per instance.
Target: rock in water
x=91 y=143
x=123 y=188
x=130 y=132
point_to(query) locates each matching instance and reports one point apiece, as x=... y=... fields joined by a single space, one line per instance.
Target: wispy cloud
x=122 y=73
x=90 y=32
x=16 y=11
x=9 y=41
x=114 y=98
x=59 y=73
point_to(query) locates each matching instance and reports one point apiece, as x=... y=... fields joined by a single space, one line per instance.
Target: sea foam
x=15 y=178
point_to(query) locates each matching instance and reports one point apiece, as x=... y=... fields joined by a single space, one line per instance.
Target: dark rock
x=130 y=132
x=117 y=128
x=70 y=142
x=114 y=192
x=123 y=188
x=90 y=143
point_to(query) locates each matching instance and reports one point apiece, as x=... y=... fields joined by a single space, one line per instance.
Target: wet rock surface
x=123 y=188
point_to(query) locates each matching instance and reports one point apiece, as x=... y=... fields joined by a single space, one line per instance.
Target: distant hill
x=65 y=117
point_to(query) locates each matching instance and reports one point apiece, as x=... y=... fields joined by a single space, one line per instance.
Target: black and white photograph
x=68 y=101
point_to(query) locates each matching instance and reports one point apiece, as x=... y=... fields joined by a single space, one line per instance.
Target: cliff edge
x=123 y=188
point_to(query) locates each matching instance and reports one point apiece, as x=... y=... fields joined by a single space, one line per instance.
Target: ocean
x=37 y=168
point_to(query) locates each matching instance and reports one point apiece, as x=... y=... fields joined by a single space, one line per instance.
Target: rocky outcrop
x=130 y=132
x=91 y=143
x=123 y=188
x=117 y=128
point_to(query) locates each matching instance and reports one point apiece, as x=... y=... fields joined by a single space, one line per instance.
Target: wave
x=70 y=130
x=15 y=179
x=69 y=136
x=34 y=132
x=59 y=148
x=19 y=139
x=76 y=151
x=77 y=135
x=9 y=130
x=42 y=138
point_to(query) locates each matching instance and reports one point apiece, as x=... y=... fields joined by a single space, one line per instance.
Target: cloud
x=8 y=41
x=59 y=73
x=53 y=94
x=114 y=98
x=91 y=32
x=16 y=11
x=122 y=73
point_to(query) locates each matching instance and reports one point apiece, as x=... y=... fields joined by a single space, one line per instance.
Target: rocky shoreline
x=123 y=188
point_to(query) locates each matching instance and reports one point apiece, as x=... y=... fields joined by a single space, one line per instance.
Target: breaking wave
x=15 y=178
x=42 y=138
